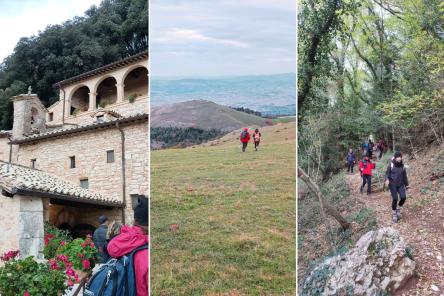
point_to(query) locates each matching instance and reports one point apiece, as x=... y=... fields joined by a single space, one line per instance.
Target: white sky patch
x=178 y=35
x=33 y=17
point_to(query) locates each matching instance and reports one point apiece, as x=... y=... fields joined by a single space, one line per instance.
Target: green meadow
x=223 y=222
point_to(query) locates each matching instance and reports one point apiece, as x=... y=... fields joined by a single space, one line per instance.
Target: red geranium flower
x=86 y=264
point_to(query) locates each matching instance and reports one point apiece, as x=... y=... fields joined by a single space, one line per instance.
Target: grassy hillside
x=223 y=221
x=202 y=114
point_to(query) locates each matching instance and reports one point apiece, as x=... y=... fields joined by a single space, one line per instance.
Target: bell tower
x=29 y=115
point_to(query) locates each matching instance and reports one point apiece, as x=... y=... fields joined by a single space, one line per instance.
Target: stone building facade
x=93 y=140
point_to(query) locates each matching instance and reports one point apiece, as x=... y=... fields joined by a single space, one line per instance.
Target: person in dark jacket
x=396 y=180
x=351 y=160
x=366 y=167
x=244 y=138
x=99 y=238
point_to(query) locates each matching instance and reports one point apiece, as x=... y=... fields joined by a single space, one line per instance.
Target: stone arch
x=79 y=99
x=135 y=82
x=106 y=91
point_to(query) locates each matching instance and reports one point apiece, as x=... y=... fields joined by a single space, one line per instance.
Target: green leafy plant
x=28 y=277
x=132 y=98
x=80 y=253
x=54 y=238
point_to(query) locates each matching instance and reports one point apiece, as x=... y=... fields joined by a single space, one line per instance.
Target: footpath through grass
x=223 y=221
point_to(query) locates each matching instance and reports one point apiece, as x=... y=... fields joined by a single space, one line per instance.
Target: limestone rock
x=378 y=263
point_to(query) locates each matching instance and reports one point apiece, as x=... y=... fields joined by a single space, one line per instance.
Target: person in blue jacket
x=351 y=160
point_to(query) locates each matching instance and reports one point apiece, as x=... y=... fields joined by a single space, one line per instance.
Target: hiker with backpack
x=244 y=138
x=351 y=160
x=256 y=138
x=366 y=166
x=99 y=238
x=126 y=273
x=396 y=180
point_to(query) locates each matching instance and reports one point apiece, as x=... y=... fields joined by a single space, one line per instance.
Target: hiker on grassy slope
x=396 y=180
x=366 y=167
x=351 y=160
x=256 y=138
x=244 y=138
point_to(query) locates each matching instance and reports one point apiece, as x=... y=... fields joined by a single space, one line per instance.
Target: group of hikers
x=395 y=175
x=245 y=138
x=116 y=242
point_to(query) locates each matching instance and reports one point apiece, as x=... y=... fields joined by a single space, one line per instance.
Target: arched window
x=80 y=100
x=136 y=83
x=106 y=92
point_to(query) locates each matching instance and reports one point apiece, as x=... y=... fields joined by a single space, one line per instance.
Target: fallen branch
x=436 y=176
x=330 y=210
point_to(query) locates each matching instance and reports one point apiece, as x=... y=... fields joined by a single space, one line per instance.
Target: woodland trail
x=421 y=226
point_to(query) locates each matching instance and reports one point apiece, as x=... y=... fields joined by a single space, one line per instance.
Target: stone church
x=84 y=156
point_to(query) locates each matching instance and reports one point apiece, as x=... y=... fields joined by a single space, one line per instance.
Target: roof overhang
x=119 y=64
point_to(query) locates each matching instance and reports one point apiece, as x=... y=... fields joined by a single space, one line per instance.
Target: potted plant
x=54 y=238
x=28 y=277
x=78 y=255
x=132 y=98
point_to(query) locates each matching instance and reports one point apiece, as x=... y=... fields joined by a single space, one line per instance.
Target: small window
x=110 y=156
x=33 y=161
x=72 y=162
x=51 y=116
x=84 y=183
x=100 y=118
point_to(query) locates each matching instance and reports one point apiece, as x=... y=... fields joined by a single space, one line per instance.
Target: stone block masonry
x=89 y=149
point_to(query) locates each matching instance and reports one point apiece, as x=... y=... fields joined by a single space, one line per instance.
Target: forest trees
x=372 y=67
x=112 y=31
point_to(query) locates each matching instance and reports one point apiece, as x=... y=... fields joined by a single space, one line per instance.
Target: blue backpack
x=115 y=277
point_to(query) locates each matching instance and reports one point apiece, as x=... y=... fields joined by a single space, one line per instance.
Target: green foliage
x=19 y=276
x=54 y=238
x=132 y=98
x=112 y=31
x=78 y=251
x=182 y=137
x=409 y=253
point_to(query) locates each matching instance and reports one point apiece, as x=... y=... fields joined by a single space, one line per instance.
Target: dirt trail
x=421 y=226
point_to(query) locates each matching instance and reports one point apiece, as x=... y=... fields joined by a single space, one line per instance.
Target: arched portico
x=135 y=83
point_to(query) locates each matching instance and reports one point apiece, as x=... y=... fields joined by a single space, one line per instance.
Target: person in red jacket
x=365 y=167
x=131 y=237
x=244 y=138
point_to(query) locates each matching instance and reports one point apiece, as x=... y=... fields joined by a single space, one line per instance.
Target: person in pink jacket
x=131 y=237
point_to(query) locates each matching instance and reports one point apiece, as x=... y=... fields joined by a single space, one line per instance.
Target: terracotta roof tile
x=16 y=179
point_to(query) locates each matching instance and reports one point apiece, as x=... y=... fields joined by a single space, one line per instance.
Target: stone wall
x=30 y=226
x=21 y=225
x=124 y=108
x=4 y=149
x=90 y=150
x=9 y=209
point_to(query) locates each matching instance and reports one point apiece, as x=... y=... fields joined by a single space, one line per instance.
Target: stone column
x=92 y=101
x=30 y=226
x=120 y=92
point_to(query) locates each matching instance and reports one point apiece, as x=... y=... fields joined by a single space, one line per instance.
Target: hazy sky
x=23 y=18
x=223 y=37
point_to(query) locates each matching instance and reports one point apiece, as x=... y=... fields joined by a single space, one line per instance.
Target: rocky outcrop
x=380 y=262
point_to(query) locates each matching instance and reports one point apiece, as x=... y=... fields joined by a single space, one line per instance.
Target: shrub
x=28 y=277
x=54 y=238
x=80 y=254
x=132 y=98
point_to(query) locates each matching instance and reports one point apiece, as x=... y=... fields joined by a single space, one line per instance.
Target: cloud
x=178 y=35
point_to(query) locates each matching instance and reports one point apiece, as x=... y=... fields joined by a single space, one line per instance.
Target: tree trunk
x=324 y=203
